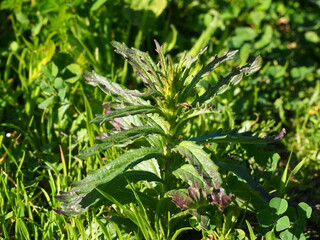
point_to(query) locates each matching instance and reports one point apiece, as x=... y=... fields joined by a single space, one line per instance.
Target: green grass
x=46 y=106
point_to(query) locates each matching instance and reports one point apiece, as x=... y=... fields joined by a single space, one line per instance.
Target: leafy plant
x=152 y=127
x=280 y=220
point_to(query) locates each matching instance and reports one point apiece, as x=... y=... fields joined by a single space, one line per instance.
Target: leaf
x=114 y=168
x=233 y=78
x=206 y=168
x=244 y=138
x=279 y=205
x=46 y=102
x=201 y=161
x=142 y=64
x=296 y=169
x=253 y=66
x=244 y=174
x=180 y=198
x=266 y=218
x=208 y=68
x=75 y=204
x=97 y=4
x=282 y=223
x=131 y=110
x=251 y=232
x=304 y=210
x=287 y=235
x=122 y=138
x=265 y=39
x=117 y=91
x=188 y=173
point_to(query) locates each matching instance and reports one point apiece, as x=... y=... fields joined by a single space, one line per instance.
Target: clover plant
x=150 y=127
x=283 y=221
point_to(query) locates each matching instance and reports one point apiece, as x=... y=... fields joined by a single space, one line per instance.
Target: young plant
x=151 y=126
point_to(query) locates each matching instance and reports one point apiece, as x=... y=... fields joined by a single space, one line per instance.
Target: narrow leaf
x=204 y=70
x=122 y=138
x=115 y=187
x=131 y=110
x=244 y=138
x=141 y=62
x=232 y=79
x=116 y=90
x=114 y=168
x=244 y=174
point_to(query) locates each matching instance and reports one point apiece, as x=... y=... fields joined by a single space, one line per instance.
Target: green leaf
x=282 y=223
x=253 y=66
x=201 y=161
x=142 y=64
x=270 y=235
x=114 y=168
x=312 y=36
x=131 y=110
x=97 y=4
x=265 y=39
x=233 y=78
x=279 y=205
x=46 y=102
x=296 y=169
x=244 y=138
x=243 y=173
x=83 y=193
x=188 y=173
x=251 y=232
x=266 y=218
x=304 y=210
x=122 y=138
x=119 y=92
x=287 y=235
x=204 y=70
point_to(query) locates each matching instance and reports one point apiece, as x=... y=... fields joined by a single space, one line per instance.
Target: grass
x=46 y=106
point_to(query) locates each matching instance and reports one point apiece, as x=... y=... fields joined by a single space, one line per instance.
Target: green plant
x=155 y=128
x=283 y=221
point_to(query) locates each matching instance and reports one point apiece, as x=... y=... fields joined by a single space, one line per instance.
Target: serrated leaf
x=236 y=79
x=117 y=91
x=122 y=138
x=203 y=164
x=114 y=168
x=244 y=138
x=190 y=175
x=253 y=66
x=201 y=161
x=204 y=70
x=75 y=204
x=141 y=62
x=131 y=110
x=231 y=79
x=193 y=112
x=180 y=198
